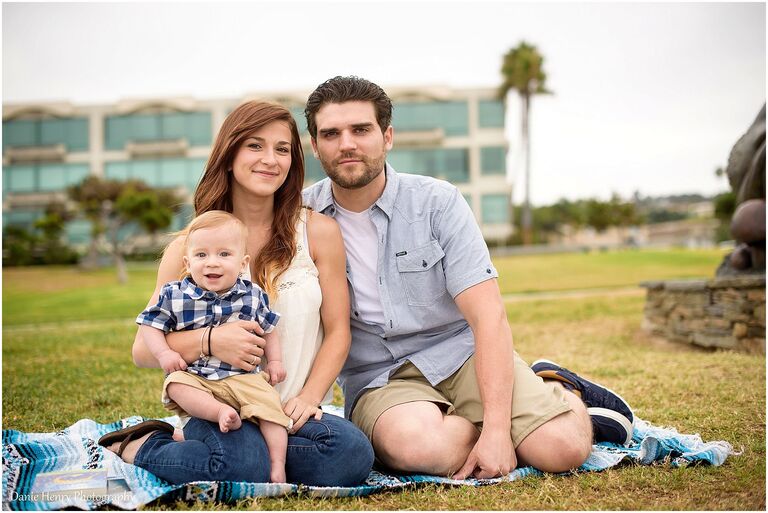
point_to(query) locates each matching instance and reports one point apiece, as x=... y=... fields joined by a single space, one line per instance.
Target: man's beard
x=371 y=169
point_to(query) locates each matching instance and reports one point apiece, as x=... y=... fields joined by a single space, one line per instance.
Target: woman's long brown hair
x=214 y=192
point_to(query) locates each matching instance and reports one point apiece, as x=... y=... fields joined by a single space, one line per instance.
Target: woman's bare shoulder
x=171 y=263
x=321 y=224
x=323 y=232
x=175 y=248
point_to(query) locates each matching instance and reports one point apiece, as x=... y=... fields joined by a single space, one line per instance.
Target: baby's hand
x=276 y=372
x=171 y=361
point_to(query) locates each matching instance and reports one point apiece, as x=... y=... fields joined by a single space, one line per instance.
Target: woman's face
x=262 y=162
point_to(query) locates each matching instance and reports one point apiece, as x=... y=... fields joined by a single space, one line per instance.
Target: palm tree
x=522 y=71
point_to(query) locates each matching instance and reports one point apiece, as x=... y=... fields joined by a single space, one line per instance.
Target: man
x=432 y=377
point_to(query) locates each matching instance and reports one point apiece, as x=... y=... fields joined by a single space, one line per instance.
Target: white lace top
x=298 y=302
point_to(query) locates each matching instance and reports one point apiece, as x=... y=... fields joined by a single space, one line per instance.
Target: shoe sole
x=605 y=412
x=140 y=429
x=616 y=417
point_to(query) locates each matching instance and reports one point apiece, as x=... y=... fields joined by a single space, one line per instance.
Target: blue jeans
x=326 y=452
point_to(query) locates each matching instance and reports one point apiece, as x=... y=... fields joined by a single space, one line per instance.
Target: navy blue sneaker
x=612 y=418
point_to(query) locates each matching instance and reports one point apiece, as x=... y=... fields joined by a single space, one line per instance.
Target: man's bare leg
x=418 y=437
x=561 y=444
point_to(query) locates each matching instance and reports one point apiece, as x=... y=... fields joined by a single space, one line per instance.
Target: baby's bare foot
x=229 y=419
x=277 y=473
x=178 y=435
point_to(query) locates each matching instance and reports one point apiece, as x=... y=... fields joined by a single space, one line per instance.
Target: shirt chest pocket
x=421 y=273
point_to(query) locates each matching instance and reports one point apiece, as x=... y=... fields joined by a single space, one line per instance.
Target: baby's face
x=215 y=257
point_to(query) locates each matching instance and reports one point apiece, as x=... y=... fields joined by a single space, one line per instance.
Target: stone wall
x=724 y=313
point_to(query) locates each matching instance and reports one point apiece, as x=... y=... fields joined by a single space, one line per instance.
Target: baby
x=213 y=292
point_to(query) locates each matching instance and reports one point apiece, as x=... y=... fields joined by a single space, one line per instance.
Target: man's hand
x=300 y=410
x=171 y=361
x=492 y=456
x=238 y=343
x=276 y=372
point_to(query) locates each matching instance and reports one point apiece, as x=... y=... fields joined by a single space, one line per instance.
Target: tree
x=52 y=248
x=44 y=244
x=598 y=214
x=725 y=206
x=601 y=215
x=522 y=72
x=93 y=196
x=111 y=205
x=18 y=246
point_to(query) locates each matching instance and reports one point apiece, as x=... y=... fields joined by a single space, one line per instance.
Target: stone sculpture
x=746 y=174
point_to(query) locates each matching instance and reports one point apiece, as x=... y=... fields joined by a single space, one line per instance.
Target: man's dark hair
x=348 y=89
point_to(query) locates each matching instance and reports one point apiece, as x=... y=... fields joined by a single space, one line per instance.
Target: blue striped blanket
x=27 y=454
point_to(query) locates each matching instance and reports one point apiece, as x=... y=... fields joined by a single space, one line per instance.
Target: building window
x=195 y=127
x=22 y=217
x=495 y=208
x=492 y=160
x=182 y=218
x=42 y=177
x=78 y=231
x=452 y=117
x=164 y=173
x=491 y=113
x=71 y=132
x=19 y=179
x=57 y=177
x=301 y=121
x=313 y=170
x=451 y=164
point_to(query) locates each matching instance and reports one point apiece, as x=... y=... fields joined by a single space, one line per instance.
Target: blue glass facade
x=30 y=178
x=460 y=128
x=195 y=127
x=452 y=117
x=450 y=164
x=492 y=160
x=71 y=132
x=24 y=217
x=491 y=114
x=163 y=173
x=495 y=208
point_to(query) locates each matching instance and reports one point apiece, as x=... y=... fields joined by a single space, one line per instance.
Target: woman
x=256 y=171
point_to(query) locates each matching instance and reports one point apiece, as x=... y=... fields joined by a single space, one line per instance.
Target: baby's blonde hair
x=213 y=219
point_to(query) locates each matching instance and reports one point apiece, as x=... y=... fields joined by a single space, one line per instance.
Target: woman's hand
x=300 y=410
x=238 y=343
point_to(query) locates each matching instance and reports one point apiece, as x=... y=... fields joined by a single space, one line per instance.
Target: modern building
x=453 y=134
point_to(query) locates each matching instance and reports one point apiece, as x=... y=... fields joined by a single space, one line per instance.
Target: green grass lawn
x=626 y=268
x=57 y=369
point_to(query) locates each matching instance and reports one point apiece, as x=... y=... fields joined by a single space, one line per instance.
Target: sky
x=648 y=97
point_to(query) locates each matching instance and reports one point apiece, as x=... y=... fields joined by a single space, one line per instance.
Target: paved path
x=572 y=294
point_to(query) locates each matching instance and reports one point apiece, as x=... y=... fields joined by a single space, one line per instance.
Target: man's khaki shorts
x=249 y=394
x=534 y=402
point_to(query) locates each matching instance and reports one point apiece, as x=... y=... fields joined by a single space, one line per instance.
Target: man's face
x=350 y=144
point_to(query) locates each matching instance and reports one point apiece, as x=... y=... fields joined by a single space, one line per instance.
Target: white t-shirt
x=360 y=240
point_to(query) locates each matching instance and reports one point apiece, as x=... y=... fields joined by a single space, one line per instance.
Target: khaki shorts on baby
x=534 y=402
x=249 y=394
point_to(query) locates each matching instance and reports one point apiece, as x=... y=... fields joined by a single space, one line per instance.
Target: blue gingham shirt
x=430 y=249
x=183 y=305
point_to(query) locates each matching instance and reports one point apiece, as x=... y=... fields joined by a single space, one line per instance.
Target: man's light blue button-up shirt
x=430 y=250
